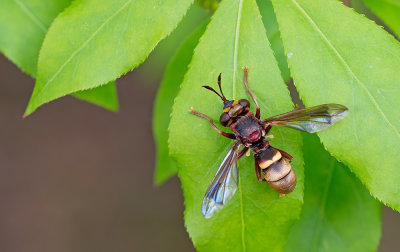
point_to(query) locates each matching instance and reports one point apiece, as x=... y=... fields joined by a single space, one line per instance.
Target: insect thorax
x=248 y=129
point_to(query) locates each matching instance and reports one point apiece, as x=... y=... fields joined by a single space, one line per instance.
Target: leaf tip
x=29 y=110
x=113 y=107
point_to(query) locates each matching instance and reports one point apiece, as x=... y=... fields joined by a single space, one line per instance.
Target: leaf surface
x=273 y=34
x=256 y=219
x=104 y=95
x=23 y=26
x=166 y=166
x=356 y=64
x=360 y=7
x=388 y=11
x=338 y=214
x=173 y=77
x=93 y=42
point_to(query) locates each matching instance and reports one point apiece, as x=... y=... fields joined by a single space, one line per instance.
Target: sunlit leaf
x=163 y=52
x=273 y=34
x=23 y=25
x=93 y=42
x=356 y=64
x=173 y=77
x=256 y=219
x=338 y=213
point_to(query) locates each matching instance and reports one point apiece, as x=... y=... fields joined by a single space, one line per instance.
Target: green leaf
x=162 y=54
x=94 y=42
x=388 y=11
x=173 y=77
x=338 y=56
x=274 y=36
x=165 y=165
x=104 y=95
x=256 y=219
x=23 y=25
x=338 y=213
x=208 y=4
x=360 y=7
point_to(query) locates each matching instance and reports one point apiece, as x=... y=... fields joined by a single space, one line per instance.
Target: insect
x=249 y=131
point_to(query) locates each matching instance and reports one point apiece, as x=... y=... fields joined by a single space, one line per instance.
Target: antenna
x=212 y=89
x=222 y=96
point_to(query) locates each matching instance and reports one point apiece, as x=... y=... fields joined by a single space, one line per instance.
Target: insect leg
x=228 y=135
x=285 y=155
x=268 y=129
x=258 y=171
x=250 y=93
x=242 y=152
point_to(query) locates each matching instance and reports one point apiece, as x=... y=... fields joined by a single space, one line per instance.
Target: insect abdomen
x=277 y=170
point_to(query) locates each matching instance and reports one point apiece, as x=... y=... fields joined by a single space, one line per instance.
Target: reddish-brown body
x=249 y=131
x=277 y=171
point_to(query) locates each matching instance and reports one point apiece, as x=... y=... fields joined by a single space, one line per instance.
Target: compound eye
x=224 y=119
x=245 y=103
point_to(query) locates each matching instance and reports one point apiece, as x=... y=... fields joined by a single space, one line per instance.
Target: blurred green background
x=75 y=177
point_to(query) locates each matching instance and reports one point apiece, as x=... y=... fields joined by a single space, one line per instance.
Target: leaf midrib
x=84 y=44
x=235 y=53
x=30 y=14
x=341 y=59
x=235 y=48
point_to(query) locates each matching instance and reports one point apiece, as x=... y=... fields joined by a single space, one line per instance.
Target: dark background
x=75 y=177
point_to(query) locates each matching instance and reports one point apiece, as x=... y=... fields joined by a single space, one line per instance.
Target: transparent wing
x=224 y=184
x=311 y=119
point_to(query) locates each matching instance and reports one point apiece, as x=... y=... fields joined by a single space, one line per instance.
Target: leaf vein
x=235 y=48
x=84 y=44
x=29 y=13
x=341 y=59
x=234 y=73
x=257 y=205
